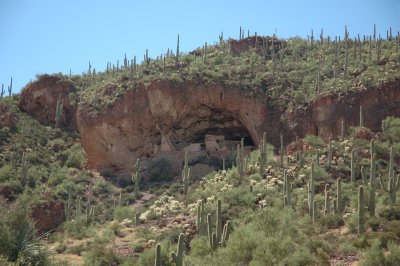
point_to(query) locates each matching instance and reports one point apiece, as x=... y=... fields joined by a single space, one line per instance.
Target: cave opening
x=208 y=127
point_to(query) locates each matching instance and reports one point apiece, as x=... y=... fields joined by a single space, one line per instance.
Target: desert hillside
x=256 y=151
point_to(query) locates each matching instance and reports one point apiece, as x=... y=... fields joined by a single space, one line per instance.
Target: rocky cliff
x=40 y=100
x=165 y=116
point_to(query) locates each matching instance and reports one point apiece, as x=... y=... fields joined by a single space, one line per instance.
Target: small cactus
x=137 y=218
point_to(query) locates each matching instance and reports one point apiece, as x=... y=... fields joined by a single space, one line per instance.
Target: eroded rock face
x=7 y=116
x=240 y=46
x=48 y=215
x=324 y=116
x=40 y=100
x=165 y=116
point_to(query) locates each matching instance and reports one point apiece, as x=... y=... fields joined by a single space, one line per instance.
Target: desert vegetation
x=308 y=203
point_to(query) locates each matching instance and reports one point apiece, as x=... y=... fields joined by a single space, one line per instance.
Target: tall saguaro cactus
x=201 y=219
x=59 y=110
x=311 y=191
x=361 y=211
x=157 y=261
x=339 y=196
x=218 y=226
x=330 y=153
x=282 y=150
x=392 y=187
x=287 y=189
x=186 y=175
x=136 y=179
x=177 y=53
x=327 y=202
x=372 y=179
x=263 y=154
x=178 y=257
x=352 y=167
x=240 y=160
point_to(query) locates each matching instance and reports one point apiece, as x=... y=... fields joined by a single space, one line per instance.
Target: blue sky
x=50 y=36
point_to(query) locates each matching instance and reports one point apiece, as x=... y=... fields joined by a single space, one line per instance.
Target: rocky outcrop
x=48 y=215
x=40 y=100
x=163 y=117
x=240 y=46
x=7 y=116
x=324 y=116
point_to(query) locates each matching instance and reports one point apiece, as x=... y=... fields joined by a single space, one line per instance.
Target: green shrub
x=57 y=176
x=390 y=213
x=199 y=246
x=6 y=173
x=100 y=256
x=391 y=128
x=148 y=256
x=73 y=157
x=314 y=141
x=77 y=228
x=160 y=170
x=121 y=213
x=19 y=239
x=319 y=172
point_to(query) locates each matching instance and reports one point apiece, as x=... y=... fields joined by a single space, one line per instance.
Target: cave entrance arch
x=204 y=125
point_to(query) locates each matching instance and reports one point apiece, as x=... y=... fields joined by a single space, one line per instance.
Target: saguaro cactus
x=186 y=175
x=59 y=111
x=157 y=261
x=391 y=165
x=361 y=117
x=218 y=226
x=263 y=154
x=327 y=202
x=282 y=149
x=177 y=53
x=330 y=152
x=225 y=233
x=240 y=160
x=339 y=196
x=287 y=189
x=210 y=232
x=136 y=179
x=392 y=187
x=352 y=167
x=371 y=205
x=201 y=219
x=311 y=192
x=361 y=211
x=178 y=257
